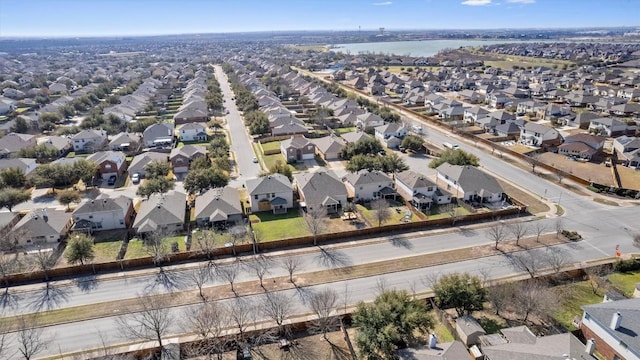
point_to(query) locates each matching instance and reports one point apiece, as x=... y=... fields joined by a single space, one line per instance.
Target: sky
x=76 y=18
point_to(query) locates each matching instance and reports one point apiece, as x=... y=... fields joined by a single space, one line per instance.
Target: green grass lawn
x=275 y=227
x=271 y=146
x=20 y=110
x=270 y=160
x=579 y=294
x=625 y=281
x=136 y=248
x=396 y=216
x=106 y=251
x=345 y=130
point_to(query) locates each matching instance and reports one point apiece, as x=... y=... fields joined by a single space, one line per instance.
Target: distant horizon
x=115 y=18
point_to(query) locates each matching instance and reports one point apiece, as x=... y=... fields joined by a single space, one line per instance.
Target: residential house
x=109 y=163
x=13 y=142
x=607 y=126
x=61 y=144
x=354 y=136
x=367 y=185
x=103 y=213
x=6 y=105
x=368 y=121
x=508 y=130
x=192 y=132
x=391 y=134
x=89 y=140
x=520 y=343
x=218 y=207
x=469 y=183
x=43 y=226
x=583 y=146
x=125 y=141
x=539 y=135
x=289 y=128
x=498 y=100
x=161 y=213
x=139 y=162
x=297 y=149
x=614 y=328
x=419 y=191
x=270 y=193
x=182 y=157
x=329 y=147
x=190 y=115
x=158 y=135
x=628 y=150
x=26 y=165
x=583 y=120
x=321 y=188
x=472 y=114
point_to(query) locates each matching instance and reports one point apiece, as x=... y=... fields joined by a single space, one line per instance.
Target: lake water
x=415 y=48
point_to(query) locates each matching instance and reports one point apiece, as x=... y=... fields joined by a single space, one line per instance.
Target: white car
x=255 y=159
x=135 y=178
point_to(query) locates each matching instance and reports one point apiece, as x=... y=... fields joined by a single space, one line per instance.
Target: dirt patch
x=597 y=173
x=534 y=205
x=629 y=178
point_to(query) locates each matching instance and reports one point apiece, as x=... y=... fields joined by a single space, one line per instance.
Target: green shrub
x=626 y=265
x=593 y=188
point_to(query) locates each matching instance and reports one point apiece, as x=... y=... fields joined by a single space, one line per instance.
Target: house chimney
x=591 y=346
x=45 y=217
x=616 y=319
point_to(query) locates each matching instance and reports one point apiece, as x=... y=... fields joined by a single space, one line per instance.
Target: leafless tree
x=9 y=263
x=528 y=262
x=555 y=259
x=291 y=264
x=257 y=236
x=199 y=276
x=559 y=227
x=381 y=286
x=429 y=280
x=44 y=261
x=596 y=277
x=30 y=338
x=237 y=233
x=540 y=228
x=315 y=218
x=496 y=232
x=532 y=162
x=560 y=176
x=501 y=296
x=229 y=273
x=260 y=267
x=150 y=321
x=9 y=239
x=453 y=213
x=277 y=307
x=208 y=322
x=241 y=314
x=382 y=212
x=518 y=230
x=156 y=247
x=323 y=304
x=533 y=297
x=206 y=242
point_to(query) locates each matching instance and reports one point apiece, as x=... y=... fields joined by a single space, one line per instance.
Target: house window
x=121 y=222
x=255 y=197
x=273 y=195
x=90 y=216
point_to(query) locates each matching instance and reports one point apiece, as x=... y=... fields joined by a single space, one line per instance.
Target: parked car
x=112 y=180
x=255 y=159
x=135 y=178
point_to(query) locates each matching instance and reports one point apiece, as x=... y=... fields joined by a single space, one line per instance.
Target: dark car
x=112 y=180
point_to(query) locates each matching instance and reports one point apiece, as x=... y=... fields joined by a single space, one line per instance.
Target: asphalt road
x=241 y=142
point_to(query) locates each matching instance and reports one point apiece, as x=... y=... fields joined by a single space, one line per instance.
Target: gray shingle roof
x=36 y=224
x=414 y=180
x=103 y=203
x=318 y=186
x=629 y=330
x=363 y=177
x=221 y=200
x=471 y=178
x=273 y=183
x=161 y=210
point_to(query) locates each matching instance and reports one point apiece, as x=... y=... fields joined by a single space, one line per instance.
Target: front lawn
x=625 y=281
x=271 y=146
x=276 y=227
x=577 y=294
x=271 y=160
x=106 y=251
x=345 y=130
x=136 y=248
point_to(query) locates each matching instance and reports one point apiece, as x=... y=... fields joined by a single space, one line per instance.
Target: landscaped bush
x=571 y=235
x=593 y=188
x=626 y=265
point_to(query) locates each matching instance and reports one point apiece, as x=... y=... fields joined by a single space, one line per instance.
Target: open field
x=597 y=173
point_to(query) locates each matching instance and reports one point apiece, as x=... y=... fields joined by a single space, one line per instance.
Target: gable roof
x=160 y=210
x=188 y=151
x=297 y=142
x=364 y=177
x=470 y=178
x=320 y=187
x=355 y=136
x=273 y=183
x=103 y=203
x=13 y=142
x=413 y=180
x=329 y=144
x=141 y=160
x=44 y=222
x=218 y=204
x=629 y=327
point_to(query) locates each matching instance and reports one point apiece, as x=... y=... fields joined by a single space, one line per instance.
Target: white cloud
x=382 y=3
x=476 y=2
x=521 y=1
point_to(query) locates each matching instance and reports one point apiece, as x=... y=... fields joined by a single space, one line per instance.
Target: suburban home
x=297 y=149
x=192 y=132
x=161 y=213
x=89 y=140
x=321 y=188
x=469 y=330
x=613 y=328
x=329 y=147
x=290 y=128
x=419 y=191
x=270 y=193
x=158 y=135
x=182 y=157
x=190 y=115
x=583 y=119
x=26 y=165
x=109 y=163
x=628 y=150
x=391 y=134
x=13 y=142
x=44 y=226
x=498 y=100
x=355 y=136
x=539 y=135
x=367 y=185
x=218 y=207
x=520 y=343
x=368 y=121
x=472 y=114
x=583 y=146
x=61 y=144
x=469 y=183
x=6 y=105
x=139 y=162
x=103 y=213
x=8 y=220
x=125 y=141
x=607 y=126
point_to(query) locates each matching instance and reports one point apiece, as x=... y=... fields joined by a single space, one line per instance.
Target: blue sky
x=151 y=17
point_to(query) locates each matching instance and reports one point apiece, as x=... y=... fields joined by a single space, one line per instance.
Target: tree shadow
x=401 y=242
x=338 y=352
x=50 y=297
x=9 y=300
x=333 y=258
x=86 y=283
x=467 y=232
x=304 y=293
x=169 y=280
